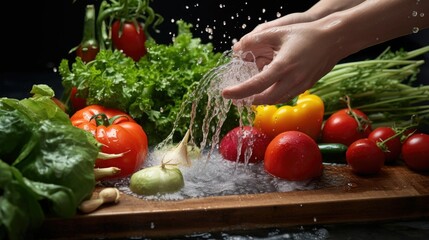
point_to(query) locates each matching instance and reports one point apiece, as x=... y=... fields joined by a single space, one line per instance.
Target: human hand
x=291 y=58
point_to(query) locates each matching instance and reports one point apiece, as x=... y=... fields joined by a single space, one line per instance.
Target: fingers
x=263 y=80
x=280 y=92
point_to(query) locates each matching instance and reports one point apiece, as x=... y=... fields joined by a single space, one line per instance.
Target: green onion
x=381 y=87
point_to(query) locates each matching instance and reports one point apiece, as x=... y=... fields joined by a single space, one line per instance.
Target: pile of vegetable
x=46 y=164
x=151 y=90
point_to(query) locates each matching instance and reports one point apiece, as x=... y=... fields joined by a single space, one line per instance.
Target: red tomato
x=76 y=102
x=365 y=157
x=129 y=39
x=87 y=54
x=392 y=147
x=342 y=127
x=124 y=135
x=293 y=156
x=415 y=152
x=253 y=140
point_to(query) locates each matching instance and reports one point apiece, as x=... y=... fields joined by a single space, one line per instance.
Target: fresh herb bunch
x=381 y=87
x=151 y=90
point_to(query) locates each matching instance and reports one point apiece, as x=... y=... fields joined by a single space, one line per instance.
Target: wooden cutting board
x=395 y=194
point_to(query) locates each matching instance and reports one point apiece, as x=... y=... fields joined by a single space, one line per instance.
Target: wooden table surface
x=395 y=194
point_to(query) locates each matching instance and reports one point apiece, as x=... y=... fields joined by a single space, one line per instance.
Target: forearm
x=374 y=22
x=325 y=7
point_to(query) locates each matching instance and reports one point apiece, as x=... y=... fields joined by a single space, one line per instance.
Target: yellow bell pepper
x=305 y=116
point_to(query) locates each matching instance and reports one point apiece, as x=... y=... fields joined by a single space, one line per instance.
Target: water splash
x=234 y=71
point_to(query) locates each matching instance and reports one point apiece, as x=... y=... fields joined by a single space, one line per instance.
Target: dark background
x=36 y=35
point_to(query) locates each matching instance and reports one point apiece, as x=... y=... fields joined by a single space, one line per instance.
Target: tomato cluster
x=296 y=156
x=368 y=150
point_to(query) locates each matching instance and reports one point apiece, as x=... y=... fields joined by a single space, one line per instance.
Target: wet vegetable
x=306 y=116
x=389 y=140
x=118 y=133
x=365 y=157
x=294 y=156
x=415 y=152
x=179 y=155
x=244 y=144
x=157 y=180
x=346 y=126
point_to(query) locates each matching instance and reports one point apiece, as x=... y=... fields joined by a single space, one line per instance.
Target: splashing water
x=210 y=174
x=233 y=72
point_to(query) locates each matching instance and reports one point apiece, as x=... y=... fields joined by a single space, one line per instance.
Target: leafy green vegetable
x=382 y=87
x=46 y=164
x=151 y=90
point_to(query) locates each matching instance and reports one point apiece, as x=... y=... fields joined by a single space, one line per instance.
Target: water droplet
x=243 y=26
x=278 y=14
x=172 y=20
x=209 y=30
x=248 y=18
x=422 y=14
x=416 y=29
x=314 y=219
x=152 y=225
x=414 y=14
x=187 y=7
x=263 y=10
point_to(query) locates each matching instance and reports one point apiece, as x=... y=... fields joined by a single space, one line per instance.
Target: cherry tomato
x=365 y=157
x=415 y=152
x=253 y=140
x=294 y=156
x=129 y=39
x=342 y=127
x=392 y=147
x=122 y=136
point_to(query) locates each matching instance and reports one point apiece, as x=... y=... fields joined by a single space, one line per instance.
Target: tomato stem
x=101 y=119
x=359 y=120
x=398 y=132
